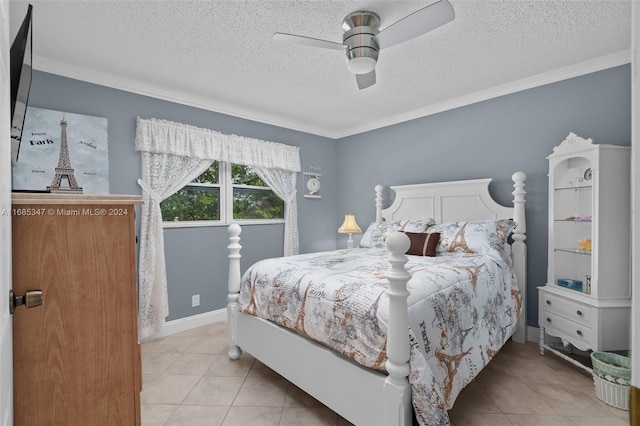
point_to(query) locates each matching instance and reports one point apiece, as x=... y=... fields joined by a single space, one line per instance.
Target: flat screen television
x=20 y=59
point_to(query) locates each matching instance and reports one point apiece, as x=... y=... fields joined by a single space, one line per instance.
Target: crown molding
x=146 y=89
x=143 y=88
x=576 y=70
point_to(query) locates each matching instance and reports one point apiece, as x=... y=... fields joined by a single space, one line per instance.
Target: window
x=199 y=200
x=222 y=192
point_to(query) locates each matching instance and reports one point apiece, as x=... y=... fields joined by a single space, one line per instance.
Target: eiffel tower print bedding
x=462 y=308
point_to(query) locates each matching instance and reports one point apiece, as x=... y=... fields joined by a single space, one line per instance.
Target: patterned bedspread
x=462 y=309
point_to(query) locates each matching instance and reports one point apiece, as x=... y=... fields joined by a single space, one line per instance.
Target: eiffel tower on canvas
x=64 y=169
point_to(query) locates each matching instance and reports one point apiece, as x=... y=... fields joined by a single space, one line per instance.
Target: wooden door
x=76 y=358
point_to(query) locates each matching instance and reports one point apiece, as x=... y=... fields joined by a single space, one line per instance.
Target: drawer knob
x=548 y=319
x=548 y=302
x=579 y=313
x=579 y=333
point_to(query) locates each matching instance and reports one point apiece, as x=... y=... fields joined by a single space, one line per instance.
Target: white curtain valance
x=167 y=137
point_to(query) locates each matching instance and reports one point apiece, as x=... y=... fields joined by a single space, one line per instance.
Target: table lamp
x=349 y=226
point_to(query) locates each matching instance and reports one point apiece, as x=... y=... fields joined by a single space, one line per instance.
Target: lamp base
x=350 y=241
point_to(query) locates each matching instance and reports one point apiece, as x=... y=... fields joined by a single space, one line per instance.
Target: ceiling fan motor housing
x=362 y=50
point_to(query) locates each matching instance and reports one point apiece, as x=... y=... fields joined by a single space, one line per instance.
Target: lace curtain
x=173 y=154
x=283 y=184
x=162 y=176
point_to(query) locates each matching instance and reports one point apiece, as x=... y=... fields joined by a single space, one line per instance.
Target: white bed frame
x=361 y=395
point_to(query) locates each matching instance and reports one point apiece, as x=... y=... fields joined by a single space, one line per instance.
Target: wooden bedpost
x=398 y=349
x=234 y=289
x=519 y=252
x=379 y=201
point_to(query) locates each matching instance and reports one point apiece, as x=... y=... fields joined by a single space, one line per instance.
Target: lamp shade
x=349 y=226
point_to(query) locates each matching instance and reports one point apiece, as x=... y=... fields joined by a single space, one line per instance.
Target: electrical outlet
x=195 y=300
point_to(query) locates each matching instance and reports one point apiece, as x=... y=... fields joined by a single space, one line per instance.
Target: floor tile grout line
x=281 y=414
x=171 y=415
x=191 y=390
x=504 y=414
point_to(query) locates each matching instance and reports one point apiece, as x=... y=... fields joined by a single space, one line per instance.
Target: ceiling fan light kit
x=362 y=40
x=361 y=47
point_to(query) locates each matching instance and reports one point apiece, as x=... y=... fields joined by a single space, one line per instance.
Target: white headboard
x=461 y=201
x=448 y=201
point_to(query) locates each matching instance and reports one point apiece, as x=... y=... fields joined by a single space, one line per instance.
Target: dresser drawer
x=569 y=328
x=574 y=311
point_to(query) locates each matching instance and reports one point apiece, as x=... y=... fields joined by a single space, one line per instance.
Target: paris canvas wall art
x=62 y=152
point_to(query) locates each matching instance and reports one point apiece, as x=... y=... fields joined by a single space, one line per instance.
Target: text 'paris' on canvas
x=62 y=152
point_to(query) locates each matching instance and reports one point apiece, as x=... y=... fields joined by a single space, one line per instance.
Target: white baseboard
x=187 y=323
x=533 y=334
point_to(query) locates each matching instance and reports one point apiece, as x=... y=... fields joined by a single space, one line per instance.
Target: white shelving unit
x=586 y=301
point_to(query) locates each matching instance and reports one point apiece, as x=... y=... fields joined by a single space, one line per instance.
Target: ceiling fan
x=362 y=40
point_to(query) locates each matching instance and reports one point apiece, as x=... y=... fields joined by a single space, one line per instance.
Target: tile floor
x=188 y=380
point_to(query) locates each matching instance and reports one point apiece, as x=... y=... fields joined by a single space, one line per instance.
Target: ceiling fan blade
x=308 y=41
x=416 y=24
x=366 y=80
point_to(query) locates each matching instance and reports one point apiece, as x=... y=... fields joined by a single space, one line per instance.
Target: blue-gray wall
x=196 y=257
x=493 y=138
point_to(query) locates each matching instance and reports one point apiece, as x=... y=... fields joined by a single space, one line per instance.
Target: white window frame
x=226 y=203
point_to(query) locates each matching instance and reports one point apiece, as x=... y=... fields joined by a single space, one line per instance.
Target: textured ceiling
x=220 y=55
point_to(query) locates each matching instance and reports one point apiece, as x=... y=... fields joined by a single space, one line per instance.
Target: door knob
x=30 y=299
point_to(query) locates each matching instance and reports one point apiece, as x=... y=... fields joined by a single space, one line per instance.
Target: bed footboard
x=359 y=394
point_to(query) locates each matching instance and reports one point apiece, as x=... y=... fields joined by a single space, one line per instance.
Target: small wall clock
x=312 y=185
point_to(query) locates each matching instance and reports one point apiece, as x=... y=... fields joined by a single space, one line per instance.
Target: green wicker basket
x=612 y=377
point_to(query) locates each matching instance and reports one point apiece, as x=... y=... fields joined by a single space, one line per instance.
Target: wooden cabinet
x=76 y=356
x=586 y=301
